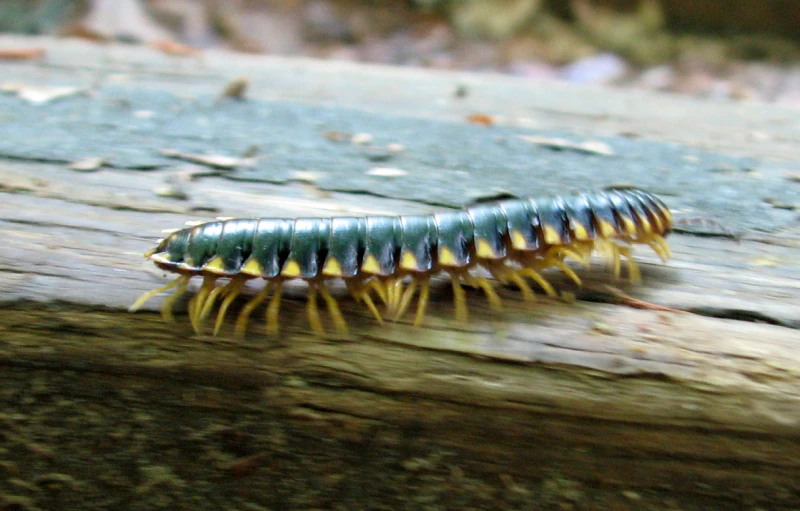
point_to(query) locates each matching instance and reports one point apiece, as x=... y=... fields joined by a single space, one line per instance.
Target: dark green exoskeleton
x=394 y=257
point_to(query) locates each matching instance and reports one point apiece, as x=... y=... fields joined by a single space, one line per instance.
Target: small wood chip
x=235 y=89
x=38 y=94
x=144 y=114
x=90 y=164
x=631 y=495
x=386 y=172
x=562 y=144
x=217 y=161
x=361 y=138
x=306 y=176
x=171 y=192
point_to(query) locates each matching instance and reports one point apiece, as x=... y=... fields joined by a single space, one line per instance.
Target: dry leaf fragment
x=175 y=48
x=336 y=136
x=39 y=94
x=217 y=161
x=386 y=172
x=81 y=31
x=561 y=144
x=482 y=119
x=88 y=164
x=21 y=53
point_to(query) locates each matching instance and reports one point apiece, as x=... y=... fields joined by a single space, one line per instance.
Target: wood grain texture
x=588 y=405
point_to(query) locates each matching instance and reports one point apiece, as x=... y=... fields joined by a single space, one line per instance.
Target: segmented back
x=392 y=256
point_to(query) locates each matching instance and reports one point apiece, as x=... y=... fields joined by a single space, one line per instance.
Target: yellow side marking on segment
x=291 y=269
x=216 y=266
x=253 y=267
x=332 y=268
x=408 y=261
x=371 y=265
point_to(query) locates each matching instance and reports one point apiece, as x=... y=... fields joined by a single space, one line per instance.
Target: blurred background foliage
x=735 y=49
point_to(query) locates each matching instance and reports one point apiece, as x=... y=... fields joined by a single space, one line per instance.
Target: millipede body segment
x=392 y=258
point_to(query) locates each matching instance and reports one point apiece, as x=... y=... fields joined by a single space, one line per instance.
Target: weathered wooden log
x=681 y=392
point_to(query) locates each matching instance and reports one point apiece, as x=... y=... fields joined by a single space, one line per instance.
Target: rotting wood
x=591 y=405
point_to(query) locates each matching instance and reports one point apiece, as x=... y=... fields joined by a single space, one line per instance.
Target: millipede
x=391 y=259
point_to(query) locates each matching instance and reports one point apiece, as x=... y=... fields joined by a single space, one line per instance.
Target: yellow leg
x=479 y=282
x=612 y=250
x=198 y=300
x=361 y=294
x=659 y=246
x=379 y=288
x=390 y=291
x=634 y=276
x=533 y=274
x=209 y=301
x=367 y=299
x=422 y=303
x=313 y=311
x=148 y=295
x=394 y=295
x=233 y=289
x=585 y=249
x=525 y=289
x=555 y=257
x=405 y=300
x=273 y=309
x=663 y=243
x=459 y=297
x=240 y=327
x=565 y=252
x=567 y=271
x=504 y=274
x=333 y=309
x=169 y=302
